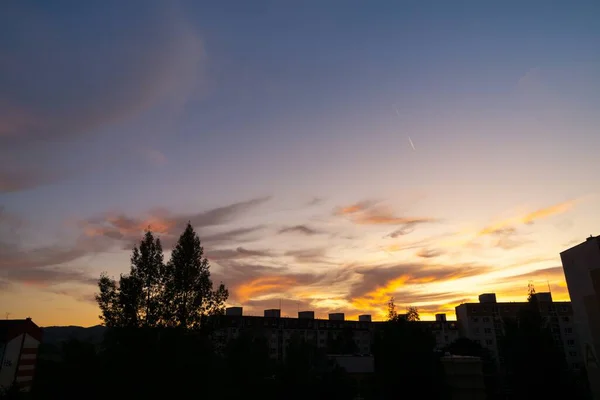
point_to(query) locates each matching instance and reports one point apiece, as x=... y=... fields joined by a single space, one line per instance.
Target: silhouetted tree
x=148 y=268
x=412 y=314
x=152 y=295
x=392 y=313
x=404 y=357
x=137 y=299
x=189 y=295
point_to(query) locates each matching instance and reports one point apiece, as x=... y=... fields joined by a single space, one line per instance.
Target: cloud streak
x=370 y=213
x=168 y=225
x=508 y=226
x=300 y=229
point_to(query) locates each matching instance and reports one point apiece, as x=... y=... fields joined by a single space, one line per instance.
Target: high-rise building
x=581 y=265
x=483 y=323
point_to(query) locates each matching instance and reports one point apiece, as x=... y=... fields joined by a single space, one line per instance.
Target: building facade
x=279 y=331
x=581 y=265
x=483 y=323
x=19 y=342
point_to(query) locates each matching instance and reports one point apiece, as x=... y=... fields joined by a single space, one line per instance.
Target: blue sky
x=156 y=111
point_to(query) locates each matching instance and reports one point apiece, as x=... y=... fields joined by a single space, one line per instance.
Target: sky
x=330 y=155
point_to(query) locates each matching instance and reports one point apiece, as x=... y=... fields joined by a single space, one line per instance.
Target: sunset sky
x=284 y=132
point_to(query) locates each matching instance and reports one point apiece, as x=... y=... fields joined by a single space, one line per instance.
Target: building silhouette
x=581 y=264
x=19 y=342
x=483 y=323
x=279 y=331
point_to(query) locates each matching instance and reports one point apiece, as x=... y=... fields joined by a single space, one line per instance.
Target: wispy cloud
x=317 y=255
x=429 y=253
x=378 y=284
x=370 y=213
x=90 y=97
x=301 y=229
x=44 y=266
x=15 y=178
x=168 y=225
x=237 y=253
x=138 y=72
x=508 y=225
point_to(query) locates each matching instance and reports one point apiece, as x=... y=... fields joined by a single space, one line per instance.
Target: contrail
x=409 y=139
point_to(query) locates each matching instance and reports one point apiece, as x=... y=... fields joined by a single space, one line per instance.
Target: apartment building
x=279 y=331
x=483 y=323
x=581 y=264
x=444 y=331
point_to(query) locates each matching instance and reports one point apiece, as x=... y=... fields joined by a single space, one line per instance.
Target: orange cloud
x=263 y=285
x=377 y=298
x=506 y=225
x=366 y=213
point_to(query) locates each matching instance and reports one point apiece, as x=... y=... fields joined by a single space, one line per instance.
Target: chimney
x=336 y=317
x=234 y=311
x=364 y=318
x=273 y=313
x=306 y=314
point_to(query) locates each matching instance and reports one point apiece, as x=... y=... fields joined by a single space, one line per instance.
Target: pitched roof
x=11 y=328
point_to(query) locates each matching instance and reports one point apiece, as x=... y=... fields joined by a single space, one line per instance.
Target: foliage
x=189 y=295
x=178 y=294
x=412 y=314
x=392 y=313
x=404 y=357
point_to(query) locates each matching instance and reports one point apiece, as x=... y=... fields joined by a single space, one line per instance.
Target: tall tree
x=189 y=289
x=108 y=301
x=147 y=267
x=392 y=313
x=136 y=299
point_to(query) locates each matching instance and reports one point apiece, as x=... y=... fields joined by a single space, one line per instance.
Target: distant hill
x=59 y=334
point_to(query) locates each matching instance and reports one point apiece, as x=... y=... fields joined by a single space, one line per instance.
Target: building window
x=570 y=342
x=486 y=319
x=573 y=353
x=568 y=330
x=566 y=319
x=487 y=331
x=489 y=342
x=475 y=319
x=476 y=331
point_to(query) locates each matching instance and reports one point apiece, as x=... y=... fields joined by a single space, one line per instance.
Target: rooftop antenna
x=7 y=315
x=549 y=290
